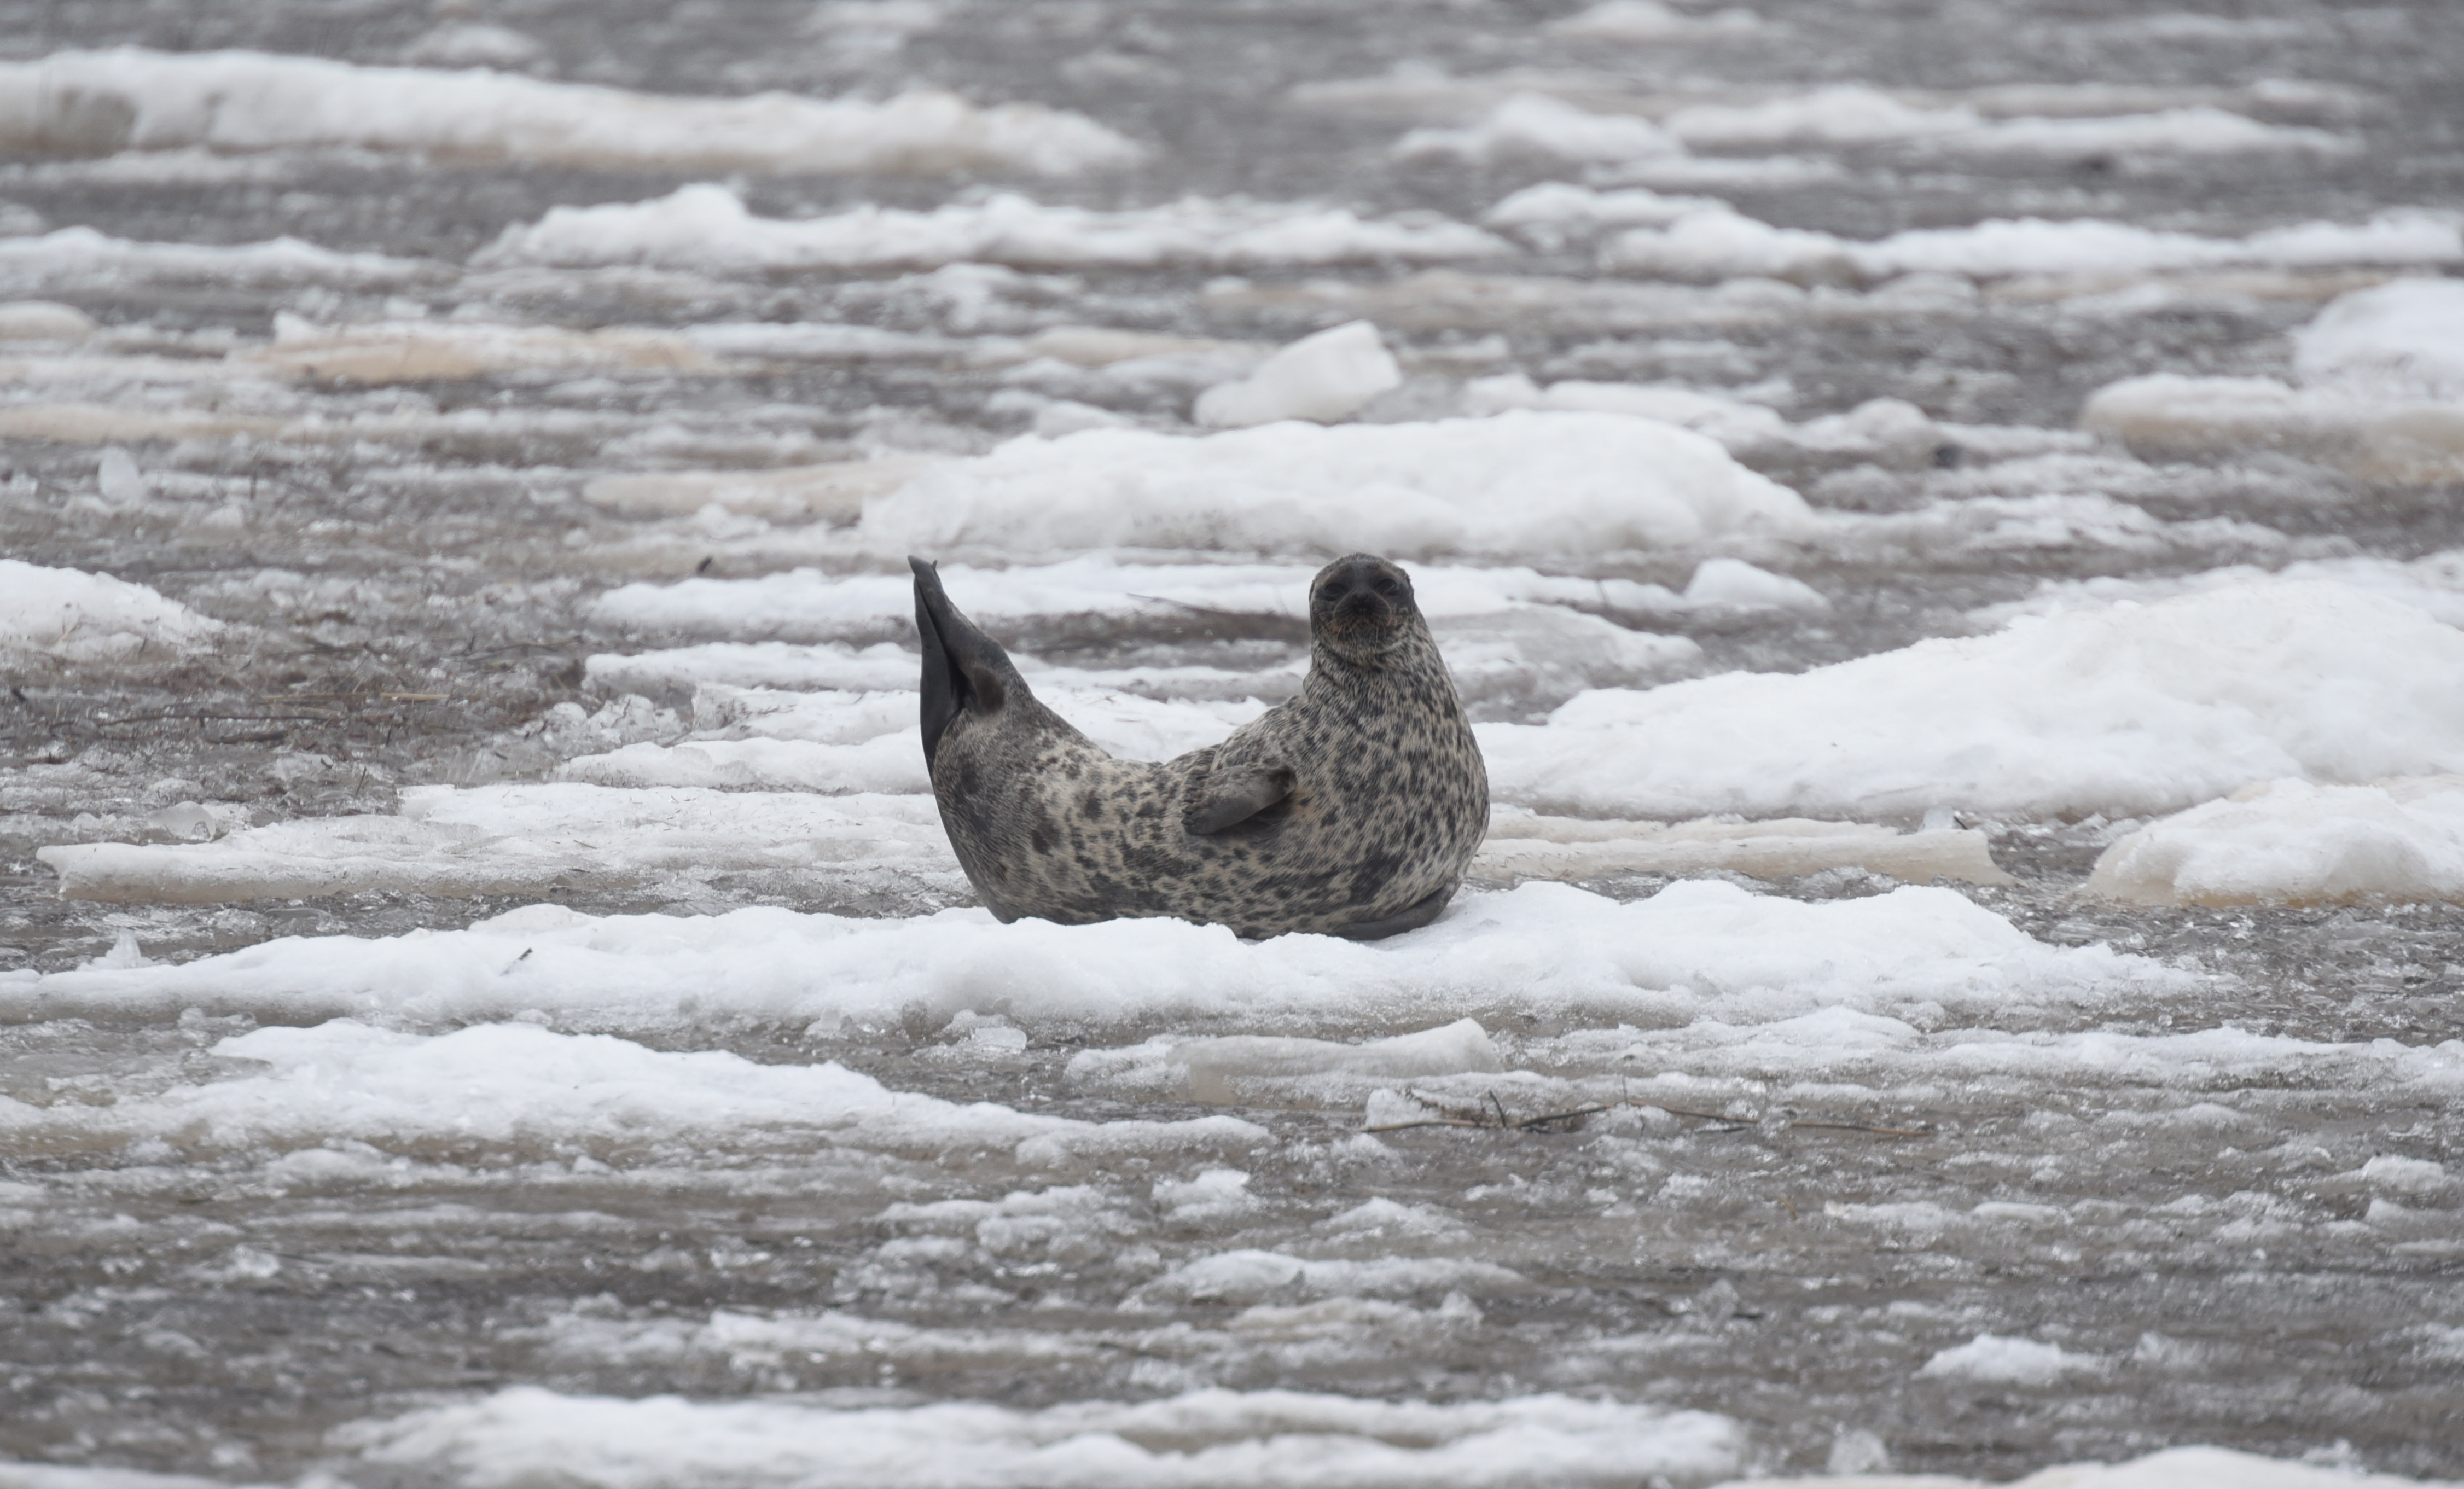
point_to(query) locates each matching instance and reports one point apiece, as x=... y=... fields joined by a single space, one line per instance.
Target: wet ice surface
x=521 y=975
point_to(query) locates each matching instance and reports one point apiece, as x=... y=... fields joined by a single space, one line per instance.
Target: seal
x=1352 y=810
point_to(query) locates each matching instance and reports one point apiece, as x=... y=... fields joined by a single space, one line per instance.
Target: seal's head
x=1361 y=608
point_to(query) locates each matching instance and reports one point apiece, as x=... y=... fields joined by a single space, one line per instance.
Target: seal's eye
x=1388 y=587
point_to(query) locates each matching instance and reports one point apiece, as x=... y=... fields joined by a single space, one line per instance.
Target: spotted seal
x=1352 y=809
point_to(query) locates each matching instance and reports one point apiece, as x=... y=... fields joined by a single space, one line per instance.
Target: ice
x=1856 y=115
x=1535 y=125
x=69 y=615
x=43 y=322
x=1696 y=949
x=1553 y=213
x=833 y=491
x=529 y=839
x=1520 y=484
x=475 y=44
x=424 y=351
x=2292 y=843
x=1648 y=21
x=1238 y=1069
x=1724 y=244
x=707 y=227
x=2400 y=340
x=1326 y=376
x=1990 y=1359
x=2200 y=130
x=759 y=663
x=1734 y=583
x=1849 y=114
x=2123 y=710
x=1215 y=1438
x=2434 y=584
x=522 y=1087
x=2175 y=1467
x=1526 y=846
x=74 y=258
x=98 y=102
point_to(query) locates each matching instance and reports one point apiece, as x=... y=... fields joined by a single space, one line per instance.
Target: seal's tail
x=965 y=672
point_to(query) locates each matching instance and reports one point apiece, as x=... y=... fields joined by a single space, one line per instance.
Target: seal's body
x=1352 y=809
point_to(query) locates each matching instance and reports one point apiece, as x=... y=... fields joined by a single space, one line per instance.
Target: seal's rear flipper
x=964 y=669
x=1412 y=917
x=1234 y=795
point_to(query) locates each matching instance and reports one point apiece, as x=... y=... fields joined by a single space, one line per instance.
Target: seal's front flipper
x=1234 y=795
x=964 y=669
x=1412 y=917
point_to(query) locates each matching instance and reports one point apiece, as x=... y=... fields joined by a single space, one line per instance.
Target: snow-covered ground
x=1946 y=526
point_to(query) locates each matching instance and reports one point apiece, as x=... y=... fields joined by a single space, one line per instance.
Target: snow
x=1553 y=213
x=2175 y=1467
x=1696 y=949
x=1650 y=21
x=1521 y=485
x=1722 y=244
x=1216 y=1438
x=2400 y=340
x=1848 y=114
x=43 y=320
x=516 y=1085
x=2124 y=711
x=1855 y=115
x=2433 y=582
x=528 y=839
x=707 y=227
x=1735 y=583
x=1993 y=1360
x=2292 y=843
x=419 y=351
x=1533 y=124
x=133 y=99
x=75 y=257
x=1523 y=845
x=1326 y=376
x=68 y=615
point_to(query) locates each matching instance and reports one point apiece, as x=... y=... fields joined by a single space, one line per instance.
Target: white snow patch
x=1323 y=377
x=1650 y=21
x=132 y=99
x=1992 y=1359
x=2175 y=1467
x=521 y=1087
x=1220 y=1440
x=2125 y=711
x=1533 y=124
x=1523 y=483
x=1553 y=213
x=2292 y=843
x=706 y=228
x=1695 y=949
x=2400 y=340
x=1724 y=244
x=71 y=616
x=80 y=257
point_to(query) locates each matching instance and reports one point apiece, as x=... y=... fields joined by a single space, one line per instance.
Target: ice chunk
x=98 y=102
x=1520 y=484
x=1738 y=426
x=1524 y=846
x=1990 y=1359
x=2400 y=340
x=475 y=44
x=68 y=615
x=2433 y=582
x=1695 y=949
x=2125 y=711
x=2175 y=1467
x=1216 y=1070
x=419 y=351
x=1225 y=1439
x=830 y=492
x=2291 y=842
x=1650 y=21
x=2170 y=416
x=43 y=320
x=1720 y=244
x=1535 y=125
x=82 y=258
x=1737 y=585
x=1849 y=114
x=1552 y=214
x=525 y=839
x=706 y=228
x=520 y=1086
x=1323 y=377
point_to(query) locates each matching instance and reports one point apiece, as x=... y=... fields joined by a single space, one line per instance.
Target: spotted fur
x=1351 y=809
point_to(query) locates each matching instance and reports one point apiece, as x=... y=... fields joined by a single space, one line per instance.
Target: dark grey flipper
x=1235 y=795
x=964 y=669
x=1412 y=917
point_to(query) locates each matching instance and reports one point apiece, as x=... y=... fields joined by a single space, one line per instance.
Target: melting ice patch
x=2381 y=393
x=2175 y=1467
x=98 y=102
x=68 y=615
x=2124 y=711
x=706 y=228
x=2292 y=843
x=1523 y=483
x=1220 y=1440
x=1695 y=949
x=73 y=258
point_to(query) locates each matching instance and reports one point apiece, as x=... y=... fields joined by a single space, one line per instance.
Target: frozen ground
x=1946 y=519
